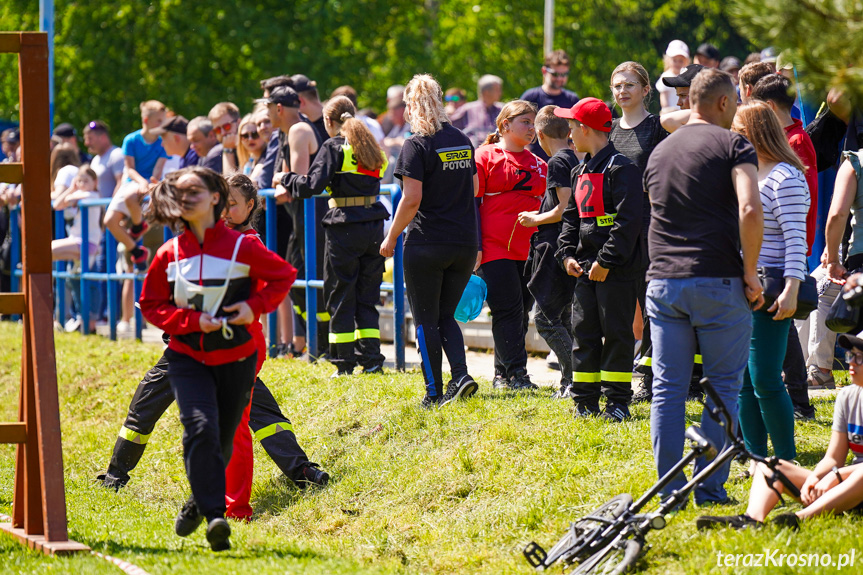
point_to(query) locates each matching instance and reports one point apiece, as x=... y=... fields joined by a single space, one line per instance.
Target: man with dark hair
x=310 y=103
x=708 y=56
x=269 y=84
x=107 y=162
x=706 y=207
x=555 y=73
x=69 y=135
x=749 y=76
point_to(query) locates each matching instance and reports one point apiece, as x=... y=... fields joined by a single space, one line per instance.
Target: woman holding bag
x=765 y=407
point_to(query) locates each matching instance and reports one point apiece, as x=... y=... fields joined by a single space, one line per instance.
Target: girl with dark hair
x=203 y=289
x=511 y=180
x=350 y=165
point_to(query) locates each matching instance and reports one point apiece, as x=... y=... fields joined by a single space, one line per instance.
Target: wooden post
x=39 y=505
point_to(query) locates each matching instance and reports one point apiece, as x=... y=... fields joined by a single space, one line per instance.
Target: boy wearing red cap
x=601 y=246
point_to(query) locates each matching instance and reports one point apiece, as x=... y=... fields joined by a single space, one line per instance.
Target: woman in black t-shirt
x=438 y=173
x=635 y=135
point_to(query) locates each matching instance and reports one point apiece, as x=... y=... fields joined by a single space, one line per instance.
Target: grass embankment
x=456 y=490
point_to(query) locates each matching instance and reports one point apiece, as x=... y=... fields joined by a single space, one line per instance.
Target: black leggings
x=509 y=302
x=435 y=276
x=211 y=401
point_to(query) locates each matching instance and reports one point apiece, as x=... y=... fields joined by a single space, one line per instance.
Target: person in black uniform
x=549 y=284
x=601 y=245
x=299 y=143
x=349 y=165
x=439 y=176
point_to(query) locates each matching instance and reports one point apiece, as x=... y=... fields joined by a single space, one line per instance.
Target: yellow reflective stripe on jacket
x=616 y=376
x=348 y=337
x=134 y=436
x=586 y=377
x=367 y=333
x=273 y=429
x=648 y=361
x=351 y=166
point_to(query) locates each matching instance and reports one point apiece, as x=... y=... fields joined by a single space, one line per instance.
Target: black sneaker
x=188 y=519
x=644 y=391
x=586 y=410
x=111 y=482
x=461 y=389
x=430 y=402
x=218 y=532
x=313 y=475
x=733 y=521
x=787 y=520
x=616 y=412
x=565 y=391
x=522 y=382
x=804 y=415
x=500 y=382
x=376 y=368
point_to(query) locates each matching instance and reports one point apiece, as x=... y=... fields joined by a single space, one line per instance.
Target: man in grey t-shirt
x=107 y=159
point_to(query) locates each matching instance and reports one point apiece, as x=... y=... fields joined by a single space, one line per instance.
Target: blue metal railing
x=85 y=276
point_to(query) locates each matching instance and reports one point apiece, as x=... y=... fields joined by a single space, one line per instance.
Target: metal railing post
x=60 y=283
x=272 y=245
x=110 y=269
x=15 y=258
x=398 y=291
x=83 y=282
x=310 y=260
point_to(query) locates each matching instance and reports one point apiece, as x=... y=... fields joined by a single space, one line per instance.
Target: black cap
x=284 y=95
x=302 y=83
x=65 y=130
x=848 y=341
x=709 y=51
x=684 y=80
x=176 y=124
x=13 y=136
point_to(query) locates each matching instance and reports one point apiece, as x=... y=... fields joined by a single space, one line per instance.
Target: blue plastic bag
x=470 y=305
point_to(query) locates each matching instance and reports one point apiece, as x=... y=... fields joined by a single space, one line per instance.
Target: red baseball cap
x=592 y=112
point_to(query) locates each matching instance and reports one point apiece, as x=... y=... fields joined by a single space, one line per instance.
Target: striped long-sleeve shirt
x=785 y=198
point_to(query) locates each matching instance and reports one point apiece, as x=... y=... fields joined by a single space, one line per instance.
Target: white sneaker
x=74 y=324
x=124 y=326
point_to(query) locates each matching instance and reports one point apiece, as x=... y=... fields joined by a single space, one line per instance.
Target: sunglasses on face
x=556 y=74
x=250 y=136
x=854 y=357
x=218 y=130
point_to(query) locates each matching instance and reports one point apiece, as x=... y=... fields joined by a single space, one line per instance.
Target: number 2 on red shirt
x=588 y=195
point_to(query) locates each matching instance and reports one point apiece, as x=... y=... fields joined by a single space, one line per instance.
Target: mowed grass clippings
x=455 y=490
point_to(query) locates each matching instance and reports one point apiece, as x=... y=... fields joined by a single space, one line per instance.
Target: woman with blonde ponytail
x=438 y=175
x=512 y=179
x=350 y=166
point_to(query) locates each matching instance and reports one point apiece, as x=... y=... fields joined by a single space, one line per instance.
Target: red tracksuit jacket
x=207 y=265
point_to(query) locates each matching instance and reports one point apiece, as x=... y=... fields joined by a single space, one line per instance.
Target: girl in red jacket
x=204 y=288
x=511 y=180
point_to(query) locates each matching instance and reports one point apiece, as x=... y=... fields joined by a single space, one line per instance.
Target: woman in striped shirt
x=765 y=407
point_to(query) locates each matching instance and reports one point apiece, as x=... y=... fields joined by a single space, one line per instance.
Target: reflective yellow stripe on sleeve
x=586 y=377
x=321 y=316
x=273 y=429
x=617 y=376
x=648 y=361
x=348 y=337
x=367 y=333
x=134 y=436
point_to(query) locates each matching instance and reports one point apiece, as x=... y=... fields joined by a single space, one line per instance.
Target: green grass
x=457 y=490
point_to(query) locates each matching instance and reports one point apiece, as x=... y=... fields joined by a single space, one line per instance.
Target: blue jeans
x=714 y=310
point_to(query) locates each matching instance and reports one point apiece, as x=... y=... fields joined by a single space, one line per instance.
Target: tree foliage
x=824 y=38
x=111 y=55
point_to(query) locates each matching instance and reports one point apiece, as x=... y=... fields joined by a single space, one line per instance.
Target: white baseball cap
x=677 y=48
